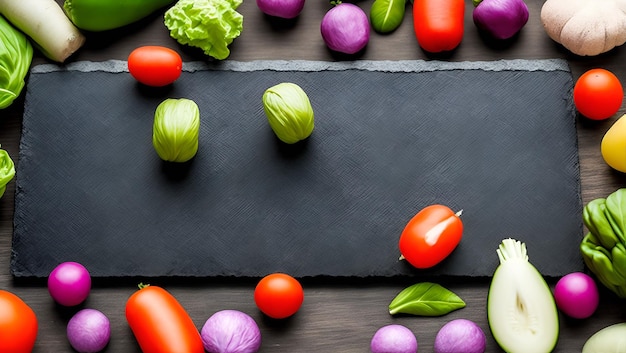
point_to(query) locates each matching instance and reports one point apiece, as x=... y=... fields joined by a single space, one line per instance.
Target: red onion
x=576 y=295
x=231 y=331
x=89 y=331
x=281 y=8
x=69 y=283
x=460 y=335
x=345 y=28
x=394 y=339
x=502 y=19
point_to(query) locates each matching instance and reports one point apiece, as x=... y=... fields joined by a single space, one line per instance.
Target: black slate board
x=496 y=139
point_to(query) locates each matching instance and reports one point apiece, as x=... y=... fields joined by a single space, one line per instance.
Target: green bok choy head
x=604 y=247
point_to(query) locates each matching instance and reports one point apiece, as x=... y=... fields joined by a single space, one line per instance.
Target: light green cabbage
x=289 y=112
x=176 y=129
x=210 y=25
x=7 y=170
x=16 y=55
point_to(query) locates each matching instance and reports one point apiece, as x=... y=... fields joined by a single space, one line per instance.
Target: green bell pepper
x=604 y=248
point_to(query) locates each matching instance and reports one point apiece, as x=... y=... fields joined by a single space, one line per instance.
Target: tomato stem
x=142 y=285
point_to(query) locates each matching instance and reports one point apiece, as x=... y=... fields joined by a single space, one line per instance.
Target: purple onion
x=345 y=28
x=460 y=335
x=88 y=331
x=394 y=339
x=501 y=19
x=69 y=283
x=231 y=331
x=281 y=8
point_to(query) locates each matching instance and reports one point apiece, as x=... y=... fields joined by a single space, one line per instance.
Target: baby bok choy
x=521 y=310
x=604 y=248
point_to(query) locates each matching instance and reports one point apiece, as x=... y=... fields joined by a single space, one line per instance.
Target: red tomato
x=430 y=236
x=278 y=295
x=18 y=324
x=160 y=324
x=155 y=65
x=598 y=94
x=438 y=24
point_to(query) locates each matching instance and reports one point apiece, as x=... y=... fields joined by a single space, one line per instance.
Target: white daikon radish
x=46 y=24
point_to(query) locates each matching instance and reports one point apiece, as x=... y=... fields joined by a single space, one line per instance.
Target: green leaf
x=425 y=299
x=387 y=15
x=7 y=170
x=616 y=212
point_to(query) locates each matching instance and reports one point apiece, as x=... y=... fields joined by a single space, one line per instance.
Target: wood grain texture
x=338 y=315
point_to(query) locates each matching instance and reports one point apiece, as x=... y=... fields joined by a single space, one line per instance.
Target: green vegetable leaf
x=7 y=170
x=615 y=211
x=16 y=54
x=425 y=299
x=387 y=15
x=210 y=25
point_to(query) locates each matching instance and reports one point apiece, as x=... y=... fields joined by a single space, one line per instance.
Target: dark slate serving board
x=496 y=139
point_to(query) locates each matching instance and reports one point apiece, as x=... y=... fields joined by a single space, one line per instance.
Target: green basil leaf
x=425 y=299
x=387 y=15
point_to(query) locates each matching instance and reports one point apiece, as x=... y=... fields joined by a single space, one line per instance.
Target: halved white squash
x=521 y=309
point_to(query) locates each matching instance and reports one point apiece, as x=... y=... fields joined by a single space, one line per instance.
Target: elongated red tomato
x=160 y=323
x=438 y=24
x=18 y=324
x=155 y=65
x=430 y=236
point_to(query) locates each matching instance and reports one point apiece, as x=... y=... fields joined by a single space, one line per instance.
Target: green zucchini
x=103 y=15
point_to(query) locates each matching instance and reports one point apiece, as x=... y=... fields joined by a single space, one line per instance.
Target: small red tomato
x=155 y=65
x=598 y=94
x=430 y=236
x=18 y=324
x=278 y=295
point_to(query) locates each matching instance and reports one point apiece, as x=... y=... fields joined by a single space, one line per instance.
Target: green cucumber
x=103 y=15
x=521 y=309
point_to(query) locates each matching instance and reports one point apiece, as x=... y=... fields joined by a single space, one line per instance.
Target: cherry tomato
x=154 y=65
x=430 y=236
x=278 y=295
x=18 y=324
x=598 y=94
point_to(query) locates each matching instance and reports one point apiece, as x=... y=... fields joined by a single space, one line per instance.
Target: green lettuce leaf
x=210 y=25
x=7 y=170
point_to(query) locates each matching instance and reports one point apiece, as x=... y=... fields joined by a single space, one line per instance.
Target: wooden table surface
x=337 y=315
